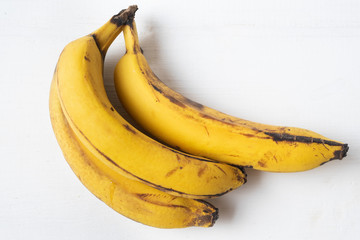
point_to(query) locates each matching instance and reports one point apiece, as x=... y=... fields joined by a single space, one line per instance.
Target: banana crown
x=107 y=33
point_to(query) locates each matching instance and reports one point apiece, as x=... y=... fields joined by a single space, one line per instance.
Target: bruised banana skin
x=116 y=142
x=130 y=198
x=200 y=130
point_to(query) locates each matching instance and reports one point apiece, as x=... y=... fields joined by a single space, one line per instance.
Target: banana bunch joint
x=195 y=152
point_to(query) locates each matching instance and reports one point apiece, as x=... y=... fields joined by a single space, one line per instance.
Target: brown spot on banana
x=171 y=172
x=223 y=120
x=193 y=103
x=278 y=137
x=254 y=136
x=201 y=171
x=262 y=164
x=127 y=127
x=186 y=155
x=135 y=49
x=221 y=169
x=175 y=101
x=146 y=197
x=248 y=166
x=207 y=131
x=204 y=220
x=206 y=116
x=325 y=146
x=154 y=87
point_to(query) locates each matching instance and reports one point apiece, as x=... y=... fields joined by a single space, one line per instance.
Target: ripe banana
x=112 y=140
x=194 y=128
x=130 y=198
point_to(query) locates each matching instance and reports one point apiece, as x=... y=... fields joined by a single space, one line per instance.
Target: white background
x=294 y=63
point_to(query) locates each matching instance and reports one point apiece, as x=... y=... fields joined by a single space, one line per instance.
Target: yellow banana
x=130 y=198
x=79 y=79
x=194 y=128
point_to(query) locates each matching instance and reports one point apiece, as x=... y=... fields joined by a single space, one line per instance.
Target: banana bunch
x=137 y=176
x=198 y=153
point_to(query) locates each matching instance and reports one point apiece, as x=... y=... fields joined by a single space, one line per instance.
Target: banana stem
x=107 y=33
x=131 y=38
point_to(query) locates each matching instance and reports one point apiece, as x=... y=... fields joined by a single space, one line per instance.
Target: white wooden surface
x=294 y=63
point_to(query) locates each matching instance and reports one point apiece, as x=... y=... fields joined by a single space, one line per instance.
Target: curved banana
x=130 y=198
x=200 y=130
x=114 y=141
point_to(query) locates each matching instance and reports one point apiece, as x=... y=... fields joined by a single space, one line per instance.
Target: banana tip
x=340 y=154
x=215 y=216
x=343 y=152
x=208 y=219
